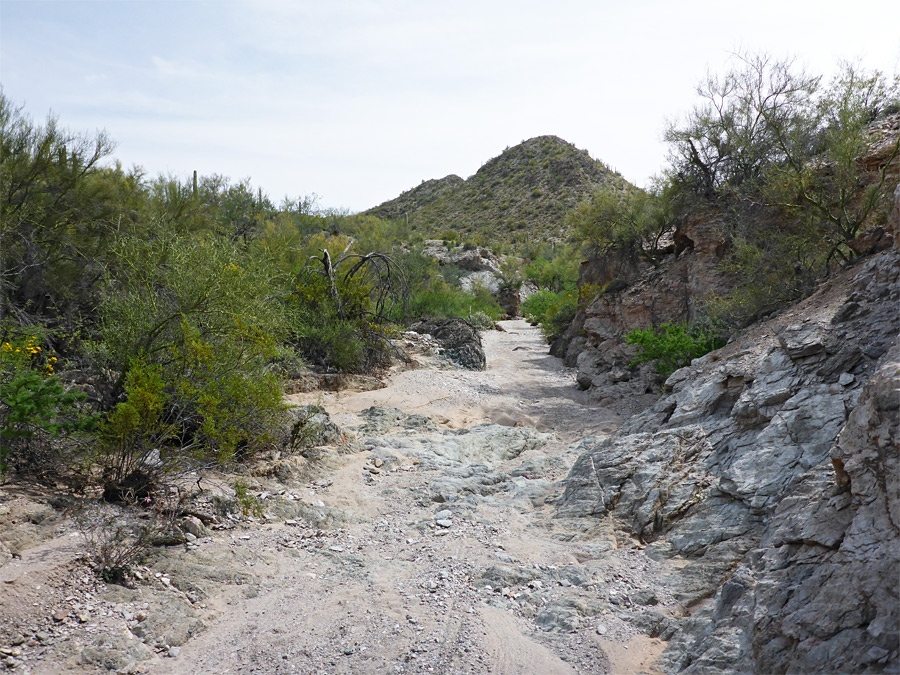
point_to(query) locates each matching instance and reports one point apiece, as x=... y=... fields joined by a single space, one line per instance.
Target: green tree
x=54 y=214
x=629 y=221
x=831 y=190
x=754 y=116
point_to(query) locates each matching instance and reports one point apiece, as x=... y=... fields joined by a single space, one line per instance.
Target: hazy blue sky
x=358 y=100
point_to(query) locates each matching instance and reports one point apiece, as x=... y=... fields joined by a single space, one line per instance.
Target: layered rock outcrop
x=769 y=472
x=639 y=296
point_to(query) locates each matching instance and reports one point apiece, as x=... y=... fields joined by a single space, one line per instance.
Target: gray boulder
x=459 y=341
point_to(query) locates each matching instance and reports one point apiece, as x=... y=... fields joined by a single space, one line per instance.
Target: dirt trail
x=429 y=543
x=416 y=581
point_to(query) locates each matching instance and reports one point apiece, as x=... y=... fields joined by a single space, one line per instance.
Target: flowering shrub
x=34 y=404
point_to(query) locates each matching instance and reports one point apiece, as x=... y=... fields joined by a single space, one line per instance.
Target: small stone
x=60 y=614
x=444 y=514
x=319 y=503
x=173 y=652
x=141 y=616
x=846 y=379
x=444 y=523
x=601 y=629
x=377 y=462
x=84 y=617
x=336 y=549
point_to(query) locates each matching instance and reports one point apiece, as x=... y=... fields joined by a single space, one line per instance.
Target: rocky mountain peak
x=526 y=190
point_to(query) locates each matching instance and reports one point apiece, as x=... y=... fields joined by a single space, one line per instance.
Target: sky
x=356 y=101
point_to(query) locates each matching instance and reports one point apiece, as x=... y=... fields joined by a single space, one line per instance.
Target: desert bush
x=481 y=320
x=673 y=346
x=339 y=307
x=35 y=406
x=117 y=538
x=246 y=501
x=437 y=298
x=188 y=327
x=553 y=270
x=629 y=221
x=536 y=305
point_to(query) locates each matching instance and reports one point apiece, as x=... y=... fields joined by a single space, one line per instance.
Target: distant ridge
x=522 y=193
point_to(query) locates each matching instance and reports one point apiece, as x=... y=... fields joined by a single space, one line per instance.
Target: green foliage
x=54 y=212
x=536 y=306
x=629 y=221
x=553 y=311
x=34 y=404
x=560 y=315
x=780 y=150
x=823 y=190
x=249 y=504
x=557 y=273
x=766 y=272
x=339 y=305
x=188 y=326
x=672 y=346
x=481 y=320
x=440 y=299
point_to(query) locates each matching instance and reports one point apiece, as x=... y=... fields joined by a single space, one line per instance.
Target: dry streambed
x=427 y=542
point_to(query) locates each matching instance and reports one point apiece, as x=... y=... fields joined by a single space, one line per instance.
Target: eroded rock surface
x=731 y=472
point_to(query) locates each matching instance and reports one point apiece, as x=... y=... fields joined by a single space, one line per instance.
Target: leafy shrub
x=560 y=315
x=249 y=504
x=440 y=299
x=35 y=406
x=587 y=293
x=481 y=320
x=672 y=346
x=557 y=273
x=767 y=272
x=553 y=311
x=536 y=305
x=188 y=328
x=630 y=221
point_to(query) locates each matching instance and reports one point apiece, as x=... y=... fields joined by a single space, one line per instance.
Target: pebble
x=444 y=523
x=444 y=514
x=173 y=652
